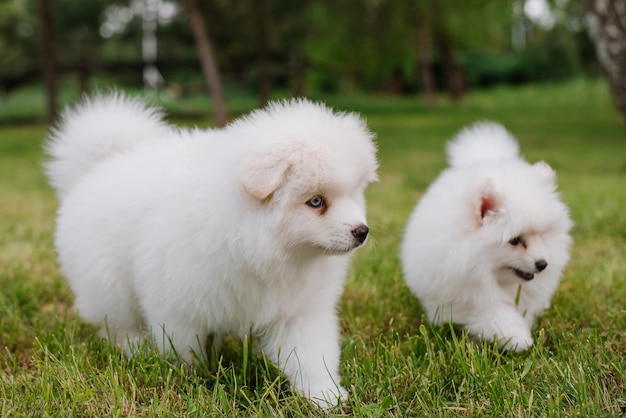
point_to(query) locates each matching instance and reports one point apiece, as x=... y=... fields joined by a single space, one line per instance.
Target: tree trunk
x=454 y=74
x=298 y=73
x=606 y=25
x=445 y=48
x=423 y=45
x=261 y=25
x=257 y=17
x=84 y=65
x=84 y=76
x=49 y=60
x=207 y=61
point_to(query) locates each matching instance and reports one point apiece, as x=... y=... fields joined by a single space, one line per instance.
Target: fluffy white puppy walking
x=185 y=233
x=488 y=241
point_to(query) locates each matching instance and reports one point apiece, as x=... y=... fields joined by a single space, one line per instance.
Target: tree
x=277 y=32
x=77 y=26
x=423 y=44
x=606 y=25
x=12 y=14
x=49 y=59
x=261 y=26
x=207 y=62
x=450 y=64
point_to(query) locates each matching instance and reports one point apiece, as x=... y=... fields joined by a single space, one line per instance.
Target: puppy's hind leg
x=110 y=305
x=181 y=338
x=128 y=338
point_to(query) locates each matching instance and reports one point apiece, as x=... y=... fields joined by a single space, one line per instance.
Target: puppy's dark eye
x=316 y=202
x=515 y=241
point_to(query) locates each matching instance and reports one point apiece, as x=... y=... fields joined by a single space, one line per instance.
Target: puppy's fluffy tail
x=482 y=142
x=95 y=129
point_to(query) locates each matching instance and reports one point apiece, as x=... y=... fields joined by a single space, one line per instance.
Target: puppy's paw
x=509 y=330
x=329 y=397
x=513 y=333
x=517 y=342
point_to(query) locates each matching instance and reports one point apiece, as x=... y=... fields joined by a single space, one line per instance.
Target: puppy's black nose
x=541 y=264
x=360 y=233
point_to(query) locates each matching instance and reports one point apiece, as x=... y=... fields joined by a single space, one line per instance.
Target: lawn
x=393 y=363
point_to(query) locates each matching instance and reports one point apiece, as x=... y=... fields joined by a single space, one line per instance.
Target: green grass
x=393 y=363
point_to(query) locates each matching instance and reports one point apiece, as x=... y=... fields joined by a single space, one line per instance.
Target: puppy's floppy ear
x=545 y=173
x=489 y=201
x=263 y=173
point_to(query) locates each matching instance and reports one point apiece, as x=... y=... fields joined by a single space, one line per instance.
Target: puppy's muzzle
x=360 y=233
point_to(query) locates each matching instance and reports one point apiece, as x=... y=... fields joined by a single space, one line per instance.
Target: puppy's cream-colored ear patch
x=263 y=174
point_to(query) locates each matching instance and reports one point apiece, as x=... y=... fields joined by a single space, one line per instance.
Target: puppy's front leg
x=306 y=349
x=502 y=322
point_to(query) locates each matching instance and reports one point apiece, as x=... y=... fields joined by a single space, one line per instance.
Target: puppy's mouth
x=522 y=274
x=339 y=250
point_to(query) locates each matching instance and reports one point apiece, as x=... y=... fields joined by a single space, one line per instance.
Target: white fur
x=100 y=127
x=456 y=254
x=208 y=232
x=495 y=144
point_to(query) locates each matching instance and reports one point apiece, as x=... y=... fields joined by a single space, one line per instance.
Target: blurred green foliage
x=333 y=45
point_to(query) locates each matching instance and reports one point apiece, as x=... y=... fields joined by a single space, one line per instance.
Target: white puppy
x=487 y=243
x=183 y=234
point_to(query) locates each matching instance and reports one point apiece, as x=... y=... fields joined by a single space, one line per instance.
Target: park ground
x=393 y=362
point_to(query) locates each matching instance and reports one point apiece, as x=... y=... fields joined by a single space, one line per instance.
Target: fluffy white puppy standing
x=183 y=234
x=488 y=241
